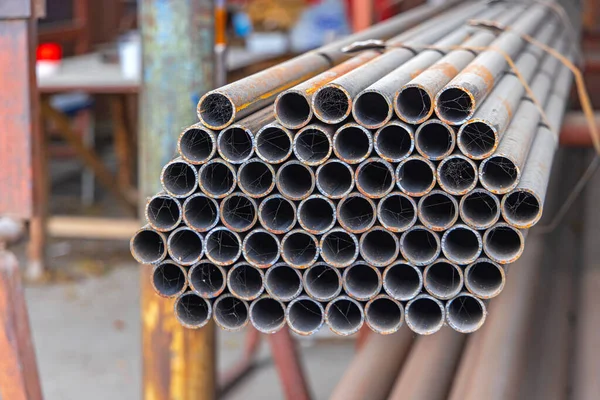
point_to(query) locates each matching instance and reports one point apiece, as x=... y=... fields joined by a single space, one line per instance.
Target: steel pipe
x=169 y=279
x=322 y=282
x=438 y=210
x=394 y=141
x=238 y=212
x=283 y=282
x=295 y=181
x=192 y=311
x=335 y=179
x=339 y=248
x=256 y=178
x=179 y=178
x=356 y=213
x=197 y=144
x=420 y=246
x=352 y=143
x=200 y=212
x=217 y=178
x=163 y=212
x=397 y=212
x=207 y=279
x=277 y=214
x=485 y=278
x=379 y=247
x=344 y=316
x=457 y=174
x=267 y=315
x=384 y=315
x=148 y=246
x=245 y=281
x=461 y=244
x=425 y=314
x=273 y=143
x=443 y=279
x=299 y=249
x=316 y=214
x=185 y=246
x=402 y=281
x=305 y=316
x=313 y=144
x=479 y=209
x=222 y=246
x=435 y=140
x=375 y=178
x=362 y=281
x=415 y=176
x=261 y=248
x=230 y=313
x=503 y=243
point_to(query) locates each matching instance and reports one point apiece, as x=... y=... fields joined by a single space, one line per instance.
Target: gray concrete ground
x=87 y=337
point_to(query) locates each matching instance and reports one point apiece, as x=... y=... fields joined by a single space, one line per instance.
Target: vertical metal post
x=177 y=42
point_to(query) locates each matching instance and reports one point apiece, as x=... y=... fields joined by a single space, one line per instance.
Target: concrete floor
x=87 y=337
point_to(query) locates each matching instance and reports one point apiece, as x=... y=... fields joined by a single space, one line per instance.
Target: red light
x=49 y=52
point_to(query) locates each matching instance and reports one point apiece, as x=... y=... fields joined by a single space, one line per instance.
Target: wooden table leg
x=19 y=379
x=122 y=141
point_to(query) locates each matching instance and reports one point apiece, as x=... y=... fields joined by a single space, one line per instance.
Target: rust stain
x=445 y=68
x=508 y=108
x=483 y=73
x=416 y=73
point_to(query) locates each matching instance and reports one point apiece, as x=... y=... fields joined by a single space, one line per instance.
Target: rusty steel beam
x=177 y=362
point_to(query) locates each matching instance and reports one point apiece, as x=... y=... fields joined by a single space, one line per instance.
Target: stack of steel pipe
x=393 y=186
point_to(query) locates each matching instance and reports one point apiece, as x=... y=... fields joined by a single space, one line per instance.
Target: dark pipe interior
x=394 y=142
x=295 y=180
x=216 y=110
x=352 y=143
x=245 y=281
x=300 y=249
x=179 y=178
x=278 y=213
x=273 y=144
x=163 y=212
x=357 y=213
x=196 y=145
x=192 y=309
x=200 y=212
x=217 y=179
x=207 y=279
x=413 y=103
x=223 y=245
x=293 y=109
x=169 y=279
x=262 y=248
x=185 y=246
x=323 y=282
x=239 y=212
x=256 y=178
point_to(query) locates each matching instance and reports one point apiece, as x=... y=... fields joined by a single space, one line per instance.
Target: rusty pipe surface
x=294 y=180
x=197 y=144
x=148 y=246
x=200 y=212
x=425 y=314
x=362 y=281
x=316 y=214
x=420 y=246
x=462 y=244
x=163 y=212
x=256 y=178
x=457 y=174
x=397 y=212
x=356 y=213
x=413 y=103
x=384 y=315
x=230 y=313
x=503 y=243
x=283 y=282
x=273 y=143
x=339 y=247
x=352 y=143
x=261 y=248
x=430 y=357
x=438 y=210
x=267 y=315
x=322 y=282
x=443 y=279
x=185 y=246
x=465 y=313
x=277 y=214
x=217 y=178
x=179 y=178
x=245 y=281
x=373 y=369
x=415 y=176
x=169 y=279
x=435 y=140
x=344 y=315
x=222 y=246
x=479 y=209
x=299 y=249
x=402 y=281
x=305 y=316
x=485 y=278
x=394 y=141
x=192 y=311
x=379 y=247
x=335 y=179
x=207 y=279
x=238 y=212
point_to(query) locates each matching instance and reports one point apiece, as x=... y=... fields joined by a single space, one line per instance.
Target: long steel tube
x=438 y=210
x=479 y=209
x=384 y=315
x=402 y=281
x=415 y=176
x=356 y=213
x=485 y=278
x=245 y=281
x=163 y=212
x=465 y=313
x=305 y=316
x=238 y=212
x=322 y=282
x=200 y=212
x=443 y=279
x=379 y=247
x=375 y=178
x=217 y=178
x=397 y=212
x=503 y=243
x=197 y=144
x=236 y=143
x=457 y=174
x=339 y=248
x=256 y=178
x=273 y=143
x=462 y=244
x=261 y=248
x=425 y=314
x=222 y=246
x=267 y=315
x=394 y=141
x=185 y=246
x=179 y=178
x=313 y=144
x=435 y=139
x=230 y=313
x=207 y=279
x=283 y=282
x=335 y=179
x=344 y=316
x=277 y=214
x=295 y=181
x=299 y=249
x=169 y=279
x=148 y=246
x=420 y=246
x=352 y=143
x=316 y=214
x=362 y=281
x=192 y=311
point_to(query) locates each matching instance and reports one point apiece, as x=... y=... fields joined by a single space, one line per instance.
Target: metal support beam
x=177 y=39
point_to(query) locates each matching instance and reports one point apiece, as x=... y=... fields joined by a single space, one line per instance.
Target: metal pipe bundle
x=347 y=202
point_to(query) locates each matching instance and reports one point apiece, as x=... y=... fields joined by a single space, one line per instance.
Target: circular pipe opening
x=498 y=174
x=322 y=282
x=379 y=247
x=299 y=249
x=192 y=311
x=335 y=179
x=362 y=281
x=238 y=212
x=484 y=278
x=384 y=315
x=295 y=181
x=256 y=178
x=413 y=104
x=217 y=179
x=345 y=316
x=454 y=105
x=503 y=243
x=277 y=214
x=148 y=246
x=479 y=209
x=397 y=212
x=292 y=110
x=425 y=315
x=223 y=247
x=163 y=213
x=235 y=144
x=457 y=175
x=261 y=248
x=312 y=145
x=207 y=279
x=375 y=178
x=273 y=144
x=356 y=213
x=331 y=104
x=231 y=314
x=200 y=212
x=197 y=145
x=371 y=109
x=521 y=208
x=185 y=246
x=394 y=142
x=443 y=280
x=267 y=315
x=352 y=143
x=435 y=140
x=283 y=282
x=245 y=281
x=415 y=176
x=339 y=248
x=461 y=244
x=169 y=279
x=316 y=214
x=216 y=110
x=465 y=313
x=420 y=246
x=305 y=316
x=179 y=178
x=477 y=139
x=438 y=211
x=402 y=281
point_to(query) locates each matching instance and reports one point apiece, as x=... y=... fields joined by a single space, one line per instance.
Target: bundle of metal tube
x=308 y=196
